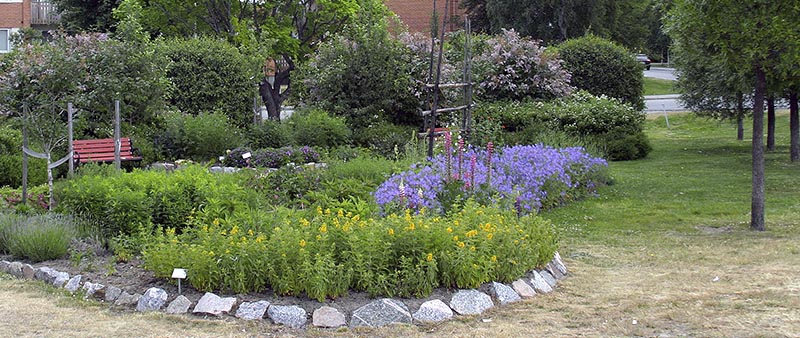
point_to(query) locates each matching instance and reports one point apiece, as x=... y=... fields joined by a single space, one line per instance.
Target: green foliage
x=315 y=127
x=268 y=134
x=326 y=253
x=91 y=15
x=37 y=237
x=602 y=67
x=365 y=76
x=603 y=124
x=132 y=203
x=200 y=137
x=385 y=139
x=11 y=161
x=208 y=75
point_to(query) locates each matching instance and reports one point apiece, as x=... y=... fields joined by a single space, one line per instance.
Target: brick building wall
x=416 y=14
x=15 y=14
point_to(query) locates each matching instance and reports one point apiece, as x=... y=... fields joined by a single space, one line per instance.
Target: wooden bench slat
x=102 y=150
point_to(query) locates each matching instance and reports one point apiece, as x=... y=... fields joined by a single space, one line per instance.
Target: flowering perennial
x=529 y=177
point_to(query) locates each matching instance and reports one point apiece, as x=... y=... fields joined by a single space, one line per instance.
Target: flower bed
x=329 y=253
x=525 y=178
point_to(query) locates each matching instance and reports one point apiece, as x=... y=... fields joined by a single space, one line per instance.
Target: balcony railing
x=43 y=12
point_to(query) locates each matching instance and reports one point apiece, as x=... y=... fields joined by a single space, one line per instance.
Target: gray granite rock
x=4 y=266
x=548 y=277
x=504 y=293
x=523 y=289
x=27 y=271
x=381 y=312
x=470 y=302
x=50 y=276
x=15 y=269
x=112 y=293
x=94 y=290
x=291 y=316
x=539 y=284
x=252 y=310
x=559 y=264
x=327 y=316
x=212 y=304
x=74 y=283
x=152 y=300
x=551 y=268
x=126 y=299
x=433 y=311
x=179 y=305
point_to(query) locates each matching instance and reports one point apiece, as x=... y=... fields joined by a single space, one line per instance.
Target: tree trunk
x=271 y=92
x=740 y=116
x=794 y=127
x=771 y=123
x=51 y=200
x=757 y=201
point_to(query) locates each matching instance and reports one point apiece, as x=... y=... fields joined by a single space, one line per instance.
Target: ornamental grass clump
x=324 y=254
x=529 y=178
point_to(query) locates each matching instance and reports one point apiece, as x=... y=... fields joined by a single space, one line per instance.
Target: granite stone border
x=381 y=312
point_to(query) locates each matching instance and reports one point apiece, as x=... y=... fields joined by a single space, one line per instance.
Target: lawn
x=653 y=86
x=664 y=251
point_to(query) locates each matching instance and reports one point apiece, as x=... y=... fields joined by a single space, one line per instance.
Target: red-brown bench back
x=102 y=150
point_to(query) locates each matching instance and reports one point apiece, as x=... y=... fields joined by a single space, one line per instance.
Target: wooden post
x=117 y=161
x=24 y=155
x=437 y=80
x=69 y=147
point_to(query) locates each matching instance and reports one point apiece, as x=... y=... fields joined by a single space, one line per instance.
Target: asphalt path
x=662 y=103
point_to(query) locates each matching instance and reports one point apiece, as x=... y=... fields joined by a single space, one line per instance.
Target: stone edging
x=380 y=312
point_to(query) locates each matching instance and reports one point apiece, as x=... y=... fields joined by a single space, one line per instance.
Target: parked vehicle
x=644 y=60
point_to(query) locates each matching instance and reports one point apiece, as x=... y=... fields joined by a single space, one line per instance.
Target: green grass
x=697 y=177
x=654 y=86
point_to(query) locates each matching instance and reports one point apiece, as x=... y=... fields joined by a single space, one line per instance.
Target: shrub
x=365 y=77
x=201 y=138
x=271 y=157
x=328 y=252
x=38 y=237
x=11 y=161
x=515 y=68
x=385 y=139
x=210 y=75
x=268 y=134
x=602 y=67
x=314 y=127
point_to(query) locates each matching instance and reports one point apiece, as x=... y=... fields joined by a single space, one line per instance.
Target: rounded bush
x=315 y=127
x=602 y=67
x=209 y=75
x=268 y=134
x=39 y=237
x=385 y=139
x=199 y=138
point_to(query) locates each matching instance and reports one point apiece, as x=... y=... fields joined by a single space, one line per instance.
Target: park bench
x=102 y=151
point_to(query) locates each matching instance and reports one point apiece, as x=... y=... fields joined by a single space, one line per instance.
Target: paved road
x=661 y=73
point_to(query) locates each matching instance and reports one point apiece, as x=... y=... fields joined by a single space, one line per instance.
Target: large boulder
x=51 y=276
x=212 y=304
x=433 y=311
x=152 y=300
x=291 y=316
x=470 y=302
x=523 y=289
x=539 y=284
x=381 y=312
x=252 y=310
x=329 y=317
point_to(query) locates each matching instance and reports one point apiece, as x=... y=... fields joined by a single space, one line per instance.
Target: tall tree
x=759 y=41
x=87 y=15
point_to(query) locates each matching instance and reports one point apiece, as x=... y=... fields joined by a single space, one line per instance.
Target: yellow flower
x=304 y=222
x=429 y=257
x=472 y=248
x=472 y=233
x=319 y=210
x=494 y=258
x=455 y=238
x=170 y=231
x=235 y=230
x=340 y=213
x=319 y=237
x=475 y=266
x=211 y=253
x=216 y=221
x=455 y=222
x=250 y=232
x=323 y=228
x=328 y=211
x=411 y=226
x=489 y=236
x=449 y=230
x=205 y=228
x=260 y=238
x=227 y=251
x=461 y=245
x=356 y=218
x=223 y=233
x=244 y=239
x=391 y=231
x=283 y=255
x=302 y=243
